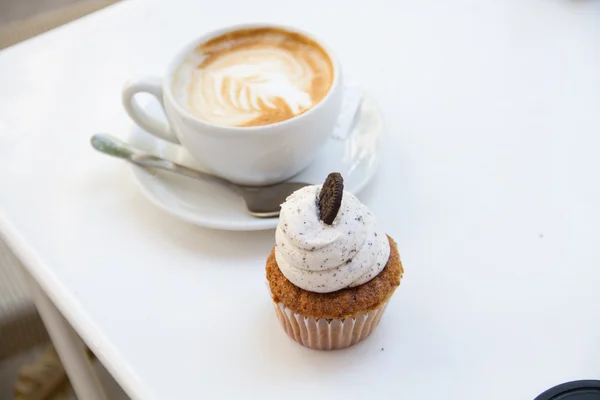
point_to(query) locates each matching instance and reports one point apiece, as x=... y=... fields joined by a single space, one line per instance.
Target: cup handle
x=149 y=123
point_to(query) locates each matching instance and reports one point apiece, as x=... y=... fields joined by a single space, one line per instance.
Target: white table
x=489 y=183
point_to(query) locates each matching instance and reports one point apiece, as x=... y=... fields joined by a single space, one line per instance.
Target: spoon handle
x=152 y=161
x=112 y=146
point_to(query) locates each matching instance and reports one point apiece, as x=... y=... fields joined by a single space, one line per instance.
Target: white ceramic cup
x=256 y=155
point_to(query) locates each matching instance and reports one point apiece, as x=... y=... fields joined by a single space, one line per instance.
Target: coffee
x=253 y=77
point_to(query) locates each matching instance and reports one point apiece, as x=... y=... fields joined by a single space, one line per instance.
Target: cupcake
x=333 y=270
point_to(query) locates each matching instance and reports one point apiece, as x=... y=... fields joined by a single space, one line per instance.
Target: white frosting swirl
x=324 y=258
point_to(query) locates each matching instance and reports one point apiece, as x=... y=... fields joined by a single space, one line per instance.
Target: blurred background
x=22 y=19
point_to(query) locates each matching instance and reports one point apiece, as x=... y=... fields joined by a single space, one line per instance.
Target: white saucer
x=354 y=155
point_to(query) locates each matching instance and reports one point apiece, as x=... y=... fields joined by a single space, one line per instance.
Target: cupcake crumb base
x=340 y=304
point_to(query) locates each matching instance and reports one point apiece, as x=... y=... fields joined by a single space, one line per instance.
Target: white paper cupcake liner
x=328 y=334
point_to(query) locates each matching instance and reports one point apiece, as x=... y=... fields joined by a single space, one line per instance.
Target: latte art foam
x=253 y=77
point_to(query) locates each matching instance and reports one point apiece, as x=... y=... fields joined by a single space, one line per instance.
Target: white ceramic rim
x=238 y=130
x=258 y=224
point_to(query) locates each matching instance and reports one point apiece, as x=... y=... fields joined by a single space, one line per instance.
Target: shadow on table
x=230 y=245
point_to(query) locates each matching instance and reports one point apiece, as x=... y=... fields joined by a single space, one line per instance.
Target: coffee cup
x=252 y=103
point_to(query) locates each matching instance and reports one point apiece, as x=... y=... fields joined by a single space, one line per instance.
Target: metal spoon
x=261 y=202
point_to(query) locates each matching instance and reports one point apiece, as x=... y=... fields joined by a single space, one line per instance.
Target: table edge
x=73 y=313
